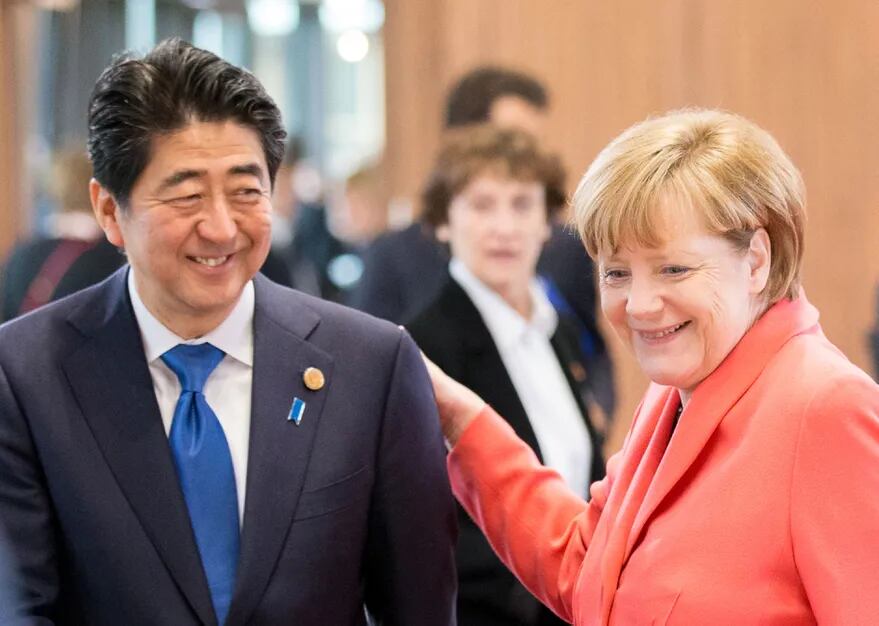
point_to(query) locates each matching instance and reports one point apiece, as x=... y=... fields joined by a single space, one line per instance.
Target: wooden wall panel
x=805 y=71
x=17 y=27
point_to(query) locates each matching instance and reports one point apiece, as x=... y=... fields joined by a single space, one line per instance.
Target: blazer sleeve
x=834 y=502
x=30 y=578
x=540 y=529
x=410 y=559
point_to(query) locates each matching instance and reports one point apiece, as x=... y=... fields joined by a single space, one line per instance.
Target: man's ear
x=107 y=212
x=759 y=260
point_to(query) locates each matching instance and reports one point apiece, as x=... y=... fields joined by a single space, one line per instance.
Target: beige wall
x=806 y=71
x=17 y=26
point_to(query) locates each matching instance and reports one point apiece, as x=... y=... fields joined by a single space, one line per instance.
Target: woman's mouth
x=662 y=333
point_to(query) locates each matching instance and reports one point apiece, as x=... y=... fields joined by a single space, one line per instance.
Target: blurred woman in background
x=491 y=197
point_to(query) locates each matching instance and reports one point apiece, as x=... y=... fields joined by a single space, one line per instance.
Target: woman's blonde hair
x=732 y=173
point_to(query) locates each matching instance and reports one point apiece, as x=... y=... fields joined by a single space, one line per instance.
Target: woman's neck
x=519 y=299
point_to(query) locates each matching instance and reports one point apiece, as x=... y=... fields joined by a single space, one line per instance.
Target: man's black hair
x=137 y=99
x=470 y=99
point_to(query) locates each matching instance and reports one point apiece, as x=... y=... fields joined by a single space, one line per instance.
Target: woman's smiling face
x=683 y=305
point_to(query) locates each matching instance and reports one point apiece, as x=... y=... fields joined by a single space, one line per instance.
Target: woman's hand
x=457 y=405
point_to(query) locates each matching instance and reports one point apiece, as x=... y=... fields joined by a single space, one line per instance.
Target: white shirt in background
x=227 y=389
x=537 y=376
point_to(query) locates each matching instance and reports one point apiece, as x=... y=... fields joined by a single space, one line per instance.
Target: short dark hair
x=471 y=98
x=136 y=99
x=471 y=151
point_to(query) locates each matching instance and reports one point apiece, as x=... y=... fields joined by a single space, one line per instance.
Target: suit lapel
x=644 y=451
x=111 y=381
x=564 y=344
x=279 y=449
x=486 y=373
x=717 y=394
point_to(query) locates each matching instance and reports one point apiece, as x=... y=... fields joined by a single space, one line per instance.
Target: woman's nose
x=644 y=299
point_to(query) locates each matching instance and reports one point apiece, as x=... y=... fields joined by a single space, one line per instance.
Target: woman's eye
x=675 y=270
x=614 y=275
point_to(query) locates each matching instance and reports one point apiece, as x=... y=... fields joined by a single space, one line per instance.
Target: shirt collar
x=504 y=323
x=234 y=335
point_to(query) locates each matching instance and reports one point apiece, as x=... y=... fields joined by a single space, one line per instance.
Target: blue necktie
x=204 y=467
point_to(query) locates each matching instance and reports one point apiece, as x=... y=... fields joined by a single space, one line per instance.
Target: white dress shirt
x=227 y=389
x=537 y=376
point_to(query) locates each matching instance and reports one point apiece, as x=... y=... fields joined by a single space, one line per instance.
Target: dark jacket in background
x=452 y=333
x=95 y=261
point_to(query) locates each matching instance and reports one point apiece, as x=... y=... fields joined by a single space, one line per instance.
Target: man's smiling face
x=197 y=224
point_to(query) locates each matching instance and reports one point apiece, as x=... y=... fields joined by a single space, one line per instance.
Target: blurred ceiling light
x=338 y=16
x=57 y=5
x=352 y=46
x=269 y=18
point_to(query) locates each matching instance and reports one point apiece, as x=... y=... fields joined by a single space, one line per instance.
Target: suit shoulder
x=338 y=317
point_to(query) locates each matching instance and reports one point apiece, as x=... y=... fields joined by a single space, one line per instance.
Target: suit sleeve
x=834 y=503
x=413 y=528
x=30 y=577
x=540 y=529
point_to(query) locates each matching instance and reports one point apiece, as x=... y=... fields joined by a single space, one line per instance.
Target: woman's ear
x=107 y=212
x=442 y=233
x=759 y=260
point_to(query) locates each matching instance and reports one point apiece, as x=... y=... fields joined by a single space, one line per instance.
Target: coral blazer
x=762 y=508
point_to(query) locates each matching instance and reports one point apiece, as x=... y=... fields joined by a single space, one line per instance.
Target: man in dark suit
x=405 y=270
x=190 y=443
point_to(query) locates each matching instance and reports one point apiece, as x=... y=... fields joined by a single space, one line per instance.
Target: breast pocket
x=335 y=496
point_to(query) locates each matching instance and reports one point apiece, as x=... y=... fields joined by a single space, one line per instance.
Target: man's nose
x=217 y=223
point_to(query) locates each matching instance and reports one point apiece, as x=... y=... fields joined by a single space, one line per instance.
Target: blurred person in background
x=404 y=270
x=745 y=492
x=76 y=254
x=190 y=443
x=874 y=339
x=358 y=215
x=300 y=234
x=492 y=195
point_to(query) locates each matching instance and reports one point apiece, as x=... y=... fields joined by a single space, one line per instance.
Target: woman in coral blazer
x=747 y=490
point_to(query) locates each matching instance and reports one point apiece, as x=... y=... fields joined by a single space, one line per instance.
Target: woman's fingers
x=457 y=405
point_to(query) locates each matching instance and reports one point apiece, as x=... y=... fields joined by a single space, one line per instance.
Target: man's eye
x=185 y=201
x=249 y=194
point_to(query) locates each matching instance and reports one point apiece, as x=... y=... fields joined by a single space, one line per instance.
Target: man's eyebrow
x=248 y=169
x=178 y=177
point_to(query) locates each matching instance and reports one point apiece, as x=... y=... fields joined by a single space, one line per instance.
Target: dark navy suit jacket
x=350 y=508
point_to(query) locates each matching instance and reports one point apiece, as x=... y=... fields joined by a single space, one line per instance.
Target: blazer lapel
x=279 y=449
x=717 y=394
x=643 y=456
x=110 y=378
x=486 y=373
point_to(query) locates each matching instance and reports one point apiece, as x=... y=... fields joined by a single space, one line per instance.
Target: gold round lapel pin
x=313 y=378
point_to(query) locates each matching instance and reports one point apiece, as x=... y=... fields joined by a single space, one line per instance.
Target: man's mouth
x=210 y=261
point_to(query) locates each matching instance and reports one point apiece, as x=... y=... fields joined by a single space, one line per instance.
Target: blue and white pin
x=297 y=410
x=314 y=380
